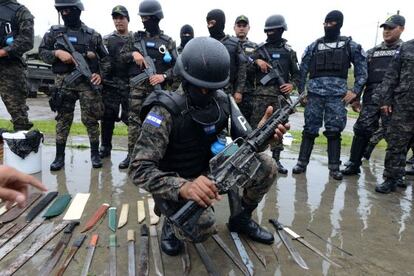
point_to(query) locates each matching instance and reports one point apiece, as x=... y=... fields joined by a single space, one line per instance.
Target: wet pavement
x=376 y=229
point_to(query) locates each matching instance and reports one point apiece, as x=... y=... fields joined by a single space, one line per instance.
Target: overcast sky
x=304 y=18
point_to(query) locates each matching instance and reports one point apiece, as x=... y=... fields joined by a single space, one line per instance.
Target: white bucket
x=31 y=164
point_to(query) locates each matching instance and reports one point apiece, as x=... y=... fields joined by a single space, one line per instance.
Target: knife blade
x=112 y=254
x=230 y=254
x=205 y=258
x=143 y=268
x=72 y=252
x=156 y=254
x=89 y=255
x=242 y=252
x=131 y=252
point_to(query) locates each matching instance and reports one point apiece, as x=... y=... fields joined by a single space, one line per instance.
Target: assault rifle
x=81 y=66
x=235 y=166
x=149 y=70
x=274 y=73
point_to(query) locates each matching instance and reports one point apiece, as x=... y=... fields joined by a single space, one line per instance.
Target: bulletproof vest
x=378 y=63
x=8 y=24
x=114 y=44
x=81 y=40
x=232 y=45
x=278 y=56
x=188 y=152
x=249 y=48
x=331 y=59
x=152 y=46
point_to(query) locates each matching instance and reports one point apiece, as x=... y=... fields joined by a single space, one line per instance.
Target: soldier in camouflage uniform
x=174 y=148
x=216 y=21
x=16 y=38
x=397 y=91
x=161 y=48
x=367 y=123
x=89 y=43
x=241 y=29
x=275 y=61
x=116 y=83
x=327 y=61
x=186 y=34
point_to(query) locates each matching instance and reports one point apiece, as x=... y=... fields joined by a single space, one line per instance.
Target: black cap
x=242 y=18
x=120 y=10
x=394 y=21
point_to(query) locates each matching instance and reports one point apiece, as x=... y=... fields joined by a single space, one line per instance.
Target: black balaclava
x=72 y=20
x=151 y=25
x=186 y=29
x=217 y=31
x=332 y=33
x=276 y=36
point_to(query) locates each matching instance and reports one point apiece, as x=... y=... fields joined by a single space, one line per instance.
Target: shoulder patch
x=154 y=119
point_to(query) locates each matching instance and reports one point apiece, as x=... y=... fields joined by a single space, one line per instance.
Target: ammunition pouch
x=56 y=99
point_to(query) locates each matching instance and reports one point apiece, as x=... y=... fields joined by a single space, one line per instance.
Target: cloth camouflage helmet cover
x=204 y=62
x=69 y=3
x=150 y=7
x=274 y=22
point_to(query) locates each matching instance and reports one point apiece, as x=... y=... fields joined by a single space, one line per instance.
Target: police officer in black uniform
x=186 y=34
x=116 y=83
x=216 y=21
x=161 y=48
x=367 y=123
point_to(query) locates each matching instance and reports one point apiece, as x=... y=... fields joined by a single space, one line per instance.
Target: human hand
x=64 y=57
x=386 y=110
x=349 y=97
x=202 y=190
x=280 y=130
x=14 y=186
x=356 y=106
x=3 y=53
x=96 y=79
x=286 y=88
x=139 y=59
x=263 y=65
x=238 y=97
x=156 y=79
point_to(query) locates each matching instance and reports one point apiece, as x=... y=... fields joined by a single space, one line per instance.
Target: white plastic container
x=31 y=164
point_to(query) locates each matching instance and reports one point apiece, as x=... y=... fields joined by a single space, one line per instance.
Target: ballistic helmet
x=69 y=3
x=275 y=21
x=149 y=8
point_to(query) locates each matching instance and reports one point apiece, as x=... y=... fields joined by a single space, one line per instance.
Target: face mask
x=275 y=35
x=332 y=33
x=151 y=26
x=72 y=19
x=197 y=98
x=185 y=39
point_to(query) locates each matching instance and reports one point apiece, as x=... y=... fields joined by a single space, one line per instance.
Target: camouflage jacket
x=334 y=86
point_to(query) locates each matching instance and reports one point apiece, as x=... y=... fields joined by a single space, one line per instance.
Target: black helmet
x=150 y=7
x=204 y=62
x=275 y=21
x=69 y=3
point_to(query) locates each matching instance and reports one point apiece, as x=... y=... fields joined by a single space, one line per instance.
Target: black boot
x=169 y=242
x=107 y=128
x=306 y=147
x=243 y=223
x=59 y=161
x=95 y=158
x=386 y=187
x=401 y=183
x=334 y=154
x=124 y=163
x=359 y=144
x=368 y=150
x=276 y=156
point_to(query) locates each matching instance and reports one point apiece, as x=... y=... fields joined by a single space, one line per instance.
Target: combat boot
x=107 y=129
x=170 y=244
x=386 y=187
x=334 y=154
x=401 y=183
x=306 y=147
x=243 y=223
x=276 y=156
x=368 y=150
x=124 y=163
x=359 y=144
x=95 y=158
x=59 y=161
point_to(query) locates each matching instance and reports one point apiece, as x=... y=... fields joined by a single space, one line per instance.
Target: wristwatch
x=165 y=76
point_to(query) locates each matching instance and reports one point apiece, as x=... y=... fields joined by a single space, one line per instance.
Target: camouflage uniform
x=90 y=100
x=246 y=105
x=152 y=147
x=141 y=91
x=18 y=20
x=397 y=91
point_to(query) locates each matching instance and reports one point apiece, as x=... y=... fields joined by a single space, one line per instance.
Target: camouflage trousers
x=259 y=104
x=400 y=134
x=91 y=110
x=246 y=106
x=13 y=92
x=328 y=110
x=116 y=103
x=253 y=193
x=136 y=99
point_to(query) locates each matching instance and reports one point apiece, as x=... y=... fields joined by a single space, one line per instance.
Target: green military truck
x=39 y=75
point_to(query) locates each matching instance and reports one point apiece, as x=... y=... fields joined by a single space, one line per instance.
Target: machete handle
x=69 y=228
x=94 y=240
x=131 y=235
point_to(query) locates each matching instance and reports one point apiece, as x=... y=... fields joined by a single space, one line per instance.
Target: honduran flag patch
x=154 y=119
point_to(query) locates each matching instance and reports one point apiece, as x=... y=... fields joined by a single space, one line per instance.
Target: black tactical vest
x=232 y=44
x=188 y=151
x=153 y=45
x=81 y=40
x=278 y=57
x=114 y=44
x=378 y=63
x=249 y=48
x=331 y=59
x=8 y=24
